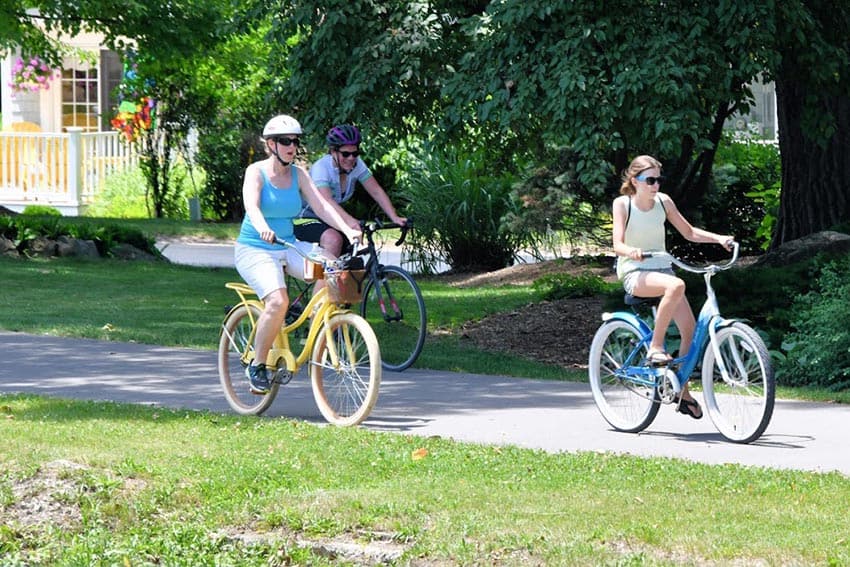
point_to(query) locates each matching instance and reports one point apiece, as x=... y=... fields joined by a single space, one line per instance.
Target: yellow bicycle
x=345 y=359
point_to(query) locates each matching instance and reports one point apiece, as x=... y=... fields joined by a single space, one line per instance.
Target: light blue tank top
x=279 y=206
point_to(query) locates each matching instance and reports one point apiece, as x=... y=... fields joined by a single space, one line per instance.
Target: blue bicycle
x=738 y=384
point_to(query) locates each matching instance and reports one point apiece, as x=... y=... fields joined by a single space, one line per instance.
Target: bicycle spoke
x=626 y=405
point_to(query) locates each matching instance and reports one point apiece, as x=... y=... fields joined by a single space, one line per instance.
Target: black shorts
x=311 y=230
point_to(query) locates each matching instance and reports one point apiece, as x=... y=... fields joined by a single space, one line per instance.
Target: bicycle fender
x=258 y=304
x=722 y=322
x=629 y=318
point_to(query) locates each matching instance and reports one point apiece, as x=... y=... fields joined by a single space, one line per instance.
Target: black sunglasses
x=355 y=153
x=650 y=180
x=287 y=141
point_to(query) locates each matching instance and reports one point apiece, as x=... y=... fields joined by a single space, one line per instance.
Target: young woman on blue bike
x=640 y=213
x=272 y=193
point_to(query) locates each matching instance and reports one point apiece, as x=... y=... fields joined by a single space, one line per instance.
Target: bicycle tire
x=236 y=339
x=625 y=406
x=347 y=393
x=400 y=324
x=742 y=406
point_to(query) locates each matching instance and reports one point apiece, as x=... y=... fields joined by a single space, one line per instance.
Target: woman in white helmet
x=272 y=193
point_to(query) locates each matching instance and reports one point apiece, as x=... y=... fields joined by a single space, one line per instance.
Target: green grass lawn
x=132 y=485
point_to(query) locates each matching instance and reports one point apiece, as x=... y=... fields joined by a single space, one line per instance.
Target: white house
x=57 y=144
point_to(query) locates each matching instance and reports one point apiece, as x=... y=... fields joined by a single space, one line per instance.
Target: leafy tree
x=236 y=81
x=612 y=79
x=170 y=39
x=377 y=63
x=182 y=28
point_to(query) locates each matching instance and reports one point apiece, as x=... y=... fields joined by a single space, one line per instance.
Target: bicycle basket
x=345 y=286
x=312 y=271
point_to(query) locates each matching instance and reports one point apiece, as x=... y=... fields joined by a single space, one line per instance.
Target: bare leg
x=672 y=292
x=270 y=322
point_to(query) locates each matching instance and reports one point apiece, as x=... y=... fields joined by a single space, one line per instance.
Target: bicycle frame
x=708 y=323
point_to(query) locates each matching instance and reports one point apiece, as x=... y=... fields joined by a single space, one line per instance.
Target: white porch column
x=75 y=163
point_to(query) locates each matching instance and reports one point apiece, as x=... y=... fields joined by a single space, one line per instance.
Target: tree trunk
x=815 y=174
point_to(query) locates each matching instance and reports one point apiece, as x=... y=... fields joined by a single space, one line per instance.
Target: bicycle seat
x=634 y=301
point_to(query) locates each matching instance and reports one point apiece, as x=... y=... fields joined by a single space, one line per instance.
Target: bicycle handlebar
x=713 y=268
x=318 y=258
x=375 y=225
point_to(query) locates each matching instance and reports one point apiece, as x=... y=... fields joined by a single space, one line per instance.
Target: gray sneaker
x=258 y=377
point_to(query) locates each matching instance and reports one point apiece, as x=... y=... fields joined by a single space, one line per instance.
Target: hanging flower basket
x=32 y=75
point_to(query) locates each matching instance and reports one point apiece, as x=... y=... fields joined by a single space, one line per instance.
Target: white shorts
x=630 y=280
x=263 y=269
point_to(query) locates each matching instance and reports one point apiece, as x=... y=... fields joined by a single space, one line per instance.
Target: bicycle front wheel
x=347 y=391
x=626 y=405
x=235 y=346
x=741 y=403
x=393 y=305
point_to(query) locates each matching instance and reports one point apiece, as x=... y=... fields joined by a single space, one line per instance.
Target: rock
x=125 y=251
x=67 y=246
x=7 y=247
x=805 y=248
x=40 y=246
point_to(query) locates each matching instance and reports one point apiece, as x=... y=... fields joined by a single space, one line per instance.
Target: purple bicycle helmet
x=344 y=135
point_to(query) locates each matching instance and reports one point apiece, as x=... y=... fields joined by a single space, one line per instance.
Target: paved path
x=546 y=415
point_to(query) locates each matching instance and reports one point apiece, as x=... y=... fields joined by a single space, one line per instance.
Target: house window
x=88 y=91
x=80 y=95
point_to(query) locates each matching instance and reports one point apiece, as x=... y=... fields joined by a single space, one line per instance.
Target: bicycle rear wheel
x=626 y=405
x=741 y=405
x=347 y=392
x=393 y=305
x=237 y=339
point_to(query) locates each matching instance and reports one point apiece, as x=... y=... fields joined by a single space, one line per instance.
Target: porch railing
x=61 y=170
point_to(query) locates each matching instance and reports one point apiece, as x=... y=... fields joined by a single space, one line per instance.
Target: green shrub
x=123 y=195
x=41 y=210
x=555 y=202
x=744 y=198
x=818 y=349
x=458 y=206
x=8 y=227
x=105 y=236
x=568 y=286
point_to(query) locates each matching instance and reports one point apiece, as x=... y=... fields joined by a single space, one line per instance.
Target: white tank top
x=644 y=230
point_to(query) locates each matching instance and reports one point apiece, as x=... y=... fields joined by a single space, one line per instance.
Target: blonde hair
x=640 y=163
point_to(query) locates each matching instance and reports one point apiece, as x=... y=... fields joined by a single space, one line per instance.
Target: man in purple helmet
x=336 y=175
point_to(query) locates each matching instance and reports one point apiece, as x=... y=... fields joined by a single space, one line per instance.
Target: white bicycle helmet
x=282 y=124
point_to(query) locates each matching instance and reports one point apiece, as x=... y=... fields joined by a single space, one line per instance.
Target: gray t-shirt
x=326 y=174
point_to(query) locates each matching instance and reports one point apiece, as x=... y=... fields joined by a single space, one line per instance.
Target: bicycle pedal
x=282 y=377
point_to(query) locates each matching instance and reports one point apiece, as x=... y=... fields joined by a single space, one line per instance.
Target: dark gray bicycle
x=392 y=301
